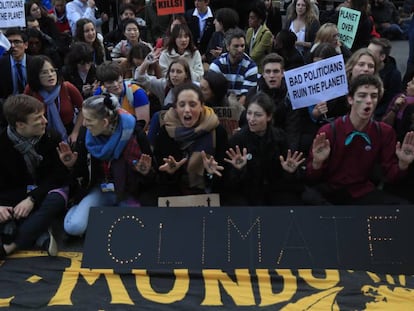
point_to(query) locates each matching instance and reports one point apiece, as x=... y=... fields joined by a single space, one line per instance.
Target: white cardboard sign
x=316 y=82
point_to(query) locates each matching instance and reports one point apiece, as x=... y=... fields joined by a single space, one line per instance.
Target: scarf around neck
x=26 y=147
x=54 y=121
x=194 y=140
x=111 y=147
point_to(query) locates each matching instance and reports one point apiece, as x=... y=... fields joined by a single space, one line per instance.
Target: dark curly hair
x=79 y=52
x=229 y=18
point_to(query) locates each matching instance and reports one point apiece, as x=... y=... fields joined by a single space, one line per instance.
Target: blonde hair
x=353 y=60
x=325 y=33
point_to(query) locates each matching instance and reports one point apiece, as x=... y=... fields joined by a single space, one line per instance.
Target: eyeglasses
x=16 y=42
x=114 y=84
x=45 y=73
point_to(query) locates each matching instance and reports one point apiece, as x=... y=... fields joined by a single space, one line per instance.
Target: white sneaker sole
x=53 y=247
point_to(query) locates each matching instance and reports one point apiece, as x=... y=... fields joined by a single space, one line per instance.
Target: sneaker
x=51 y=244
x=9 y=231
x=3 y=253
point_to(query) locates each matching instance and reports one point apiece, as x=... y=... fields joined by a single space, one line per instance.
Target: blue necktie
x=20 y=78
x=351 y=136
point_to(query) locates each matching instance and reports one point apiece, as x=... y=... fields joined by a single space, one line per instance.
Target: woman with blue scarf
x=113 y=161
x=62 y=99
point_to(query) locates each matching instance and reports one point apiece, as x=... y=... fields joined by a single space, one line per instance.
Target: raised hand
x=143 y=166
x=236 y=158
x=292 y=161
x=171 y=165
x=66 y=155
x=399 y=102
x=211 y=165
x=321 y=149
x=405 y=151
x=153 y=57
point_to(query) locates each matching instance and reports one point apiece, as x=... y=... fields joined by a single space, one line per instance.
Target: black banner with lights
x=377 y=238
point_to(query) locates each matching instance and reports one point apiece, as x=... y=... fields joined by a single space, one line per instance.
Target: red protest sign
x=166 y=7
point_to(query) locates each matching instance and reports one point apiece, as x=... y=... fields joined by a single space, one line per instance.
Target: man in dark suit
x=9 y=64
x=13 y=67
x=200 y=21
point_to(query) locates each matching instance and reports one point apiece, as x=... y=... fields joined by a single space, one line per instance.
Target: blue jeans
x=76 y=219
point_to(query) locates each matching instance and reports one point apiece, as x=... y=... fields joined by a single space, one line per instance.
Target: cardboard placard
x=12 y=13
x=167 y=7
x=229 y=118
x=196 y=200
x=316 y=82
x=347 y=26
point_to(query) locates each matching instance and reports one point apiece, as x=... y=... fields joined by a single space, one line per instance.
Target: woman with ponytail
x=120 y=161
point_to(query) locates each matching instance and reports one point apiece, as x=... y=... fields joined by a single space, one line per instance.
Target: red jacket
x=69 y=99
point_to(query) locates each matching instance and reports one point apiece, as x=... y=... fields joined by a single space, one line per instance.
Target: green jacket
x=262 y=45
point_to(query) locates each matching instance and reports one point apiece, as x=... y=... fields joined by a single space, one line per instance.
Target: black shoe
x=3 y=253
x=9 y=232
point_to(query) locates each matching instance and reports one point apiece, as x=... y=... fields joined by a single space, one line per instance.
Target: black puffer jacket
x=263 y=179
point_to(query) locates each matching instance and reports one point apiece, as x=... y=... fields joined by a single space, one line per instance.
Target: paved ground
x=400 y=53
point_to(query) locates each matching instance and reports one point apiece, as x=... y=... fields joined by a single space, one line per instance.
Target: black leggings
x=39 y=220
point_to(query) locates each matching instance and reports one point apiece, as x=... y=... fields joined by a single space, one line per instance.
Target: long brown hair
x=186 y=67
x=175 y=33
x=96 y=44
x=310 y=15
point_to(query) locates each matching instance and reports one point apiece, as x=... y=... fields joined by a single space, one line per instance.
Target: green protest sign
x=348 y=25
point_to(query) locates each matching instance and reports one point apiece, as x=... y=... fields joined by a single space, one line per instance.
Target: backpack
x=129 y=92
